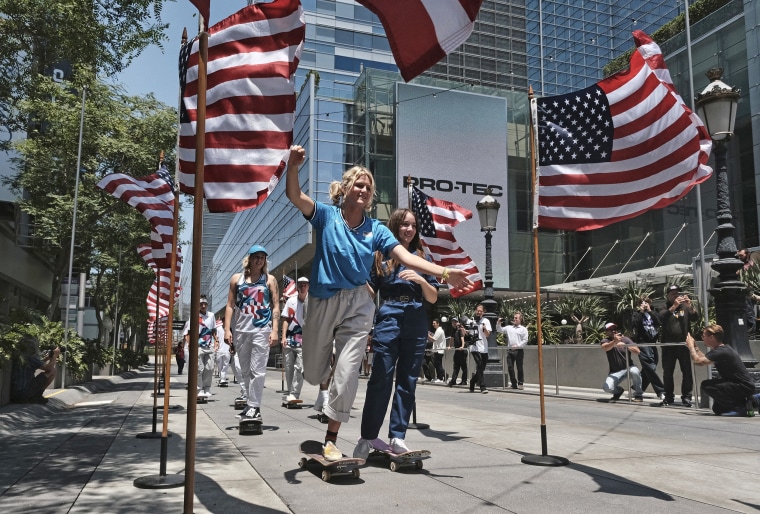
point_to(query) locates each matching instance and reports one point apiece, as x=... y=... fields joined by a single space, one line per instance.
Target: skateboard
x=249 y=426
x=201 y=399
x=347 y=466
x=295 y=404
x=240 y=404
x=400 y=460
x=223 y=384
x=322 y=418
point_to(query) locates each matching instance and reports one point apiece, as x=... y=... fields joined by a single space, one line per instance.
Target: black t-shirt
x=616 y=356
x=730 y=366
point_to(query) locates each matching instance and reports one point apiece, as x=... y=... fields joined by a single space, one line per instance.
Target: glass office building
x=345 y=117
x=570 y=41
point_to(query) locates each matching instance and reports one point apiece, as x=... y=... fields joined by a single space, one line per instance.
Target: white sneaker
x=290 y=398
x=363 y=447
x=398 y=445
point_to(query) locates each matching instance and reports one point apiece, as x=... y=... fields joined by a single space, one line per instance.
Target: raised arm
x=455 y=277
x=292 y=186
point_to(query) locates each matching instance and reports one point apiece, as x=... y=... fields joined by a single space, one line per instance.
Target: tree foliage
x=123 y=134
x=103 y=36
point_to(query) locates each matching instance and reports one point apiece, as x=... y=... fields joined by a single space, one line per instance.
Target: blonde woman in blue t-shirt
x=340 y=302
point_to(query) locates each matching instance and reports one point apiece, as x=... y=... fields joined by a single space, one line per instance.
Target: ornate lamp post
x=488 y=211
x=716 y=106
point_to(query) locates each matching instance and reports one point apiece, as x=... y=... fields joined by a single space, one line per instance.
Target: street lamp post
x=488 y=211
x=716 y=106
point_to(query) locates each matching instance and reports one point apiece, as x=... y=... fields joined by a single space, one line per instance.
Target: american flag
x=153 y=196
x=617 y=149
x=288 y=287
x=250 y=104
x=157 y=301
x=204 y=8
x=436 y=219
x=422 y=32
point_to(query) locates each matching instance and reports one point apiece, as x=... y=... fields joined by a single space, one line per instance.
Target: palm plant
x=585 y=313
x=629 y=299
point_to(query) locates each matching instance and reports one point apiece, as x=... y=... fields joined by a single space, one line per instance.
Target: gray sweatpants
x=345 y=318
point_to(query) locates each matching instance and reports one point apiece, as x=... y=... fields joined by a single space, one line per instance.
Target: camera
x=471 y=334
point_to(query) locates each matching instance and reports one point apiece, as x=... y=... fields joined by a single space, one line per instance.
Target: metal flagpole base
x=544 y=460
x=159 y=481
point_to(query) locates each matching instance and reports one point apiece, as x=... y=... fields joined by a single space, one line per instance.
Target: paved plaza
x=80 y=454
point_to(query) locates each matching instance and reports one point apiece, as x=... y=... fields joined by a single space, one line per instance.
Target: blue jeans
x=395 y=352
x=612 y=382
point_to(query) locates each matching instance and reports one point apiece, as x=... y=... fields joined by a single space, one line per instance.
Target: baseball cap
x=257 y=249
x=453 y=319
x=609 y=326
x=674 y=288
x=204 y=300
x=303 y=279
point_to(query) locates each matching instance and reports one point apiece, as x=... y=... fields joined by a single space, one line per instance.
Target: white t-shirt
x=516 y=337
x=482 y=345
x=439 y=340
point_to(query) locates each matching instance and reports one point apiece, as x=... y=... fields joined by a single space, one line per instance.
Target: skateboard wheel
x=302 y=463
x=325 y=476
x=418 y=464
x=394 y=466
x=356 y=473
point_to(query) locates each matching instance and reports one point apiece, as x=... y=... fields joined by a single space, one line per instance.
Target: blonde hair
x=247 y=269
x=350 y=176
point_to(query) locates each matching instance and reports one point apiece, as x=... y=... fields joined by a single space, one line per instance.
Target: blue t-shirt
x=344 y=256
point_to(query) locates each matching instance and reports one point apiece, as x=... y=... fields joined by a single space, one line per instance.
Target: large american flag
x=437 y=218
x=422 y=32
x=617 y=149
x=250 y=104
x=153 y=196
x=288 y=287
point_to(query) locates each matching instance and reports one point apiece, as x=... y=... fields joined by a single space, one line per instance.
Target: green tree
x=87 y=34
x=122 y=134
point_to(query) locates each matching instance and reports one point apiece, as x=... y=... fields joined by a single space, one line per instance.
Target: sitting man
x=733 y=391
x=25 y=386
x=617 y=346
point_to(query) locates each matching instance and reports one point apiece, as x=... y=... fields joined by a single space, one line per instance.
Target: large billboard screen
x=453 y=144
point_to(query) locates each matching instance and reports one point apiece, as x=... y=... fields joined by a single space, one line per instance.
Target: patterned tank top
x=254 y=305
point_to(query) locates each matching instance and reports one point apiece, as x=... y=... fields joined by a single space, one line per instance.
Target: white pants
x=223 y=362
x=205 y=368
x=252 y=348
x=345 y=318
x=238 y=374
x=293 y=370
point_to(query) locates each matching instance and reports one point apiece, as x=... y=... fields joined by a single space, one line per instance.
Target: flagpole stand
x=544 y=459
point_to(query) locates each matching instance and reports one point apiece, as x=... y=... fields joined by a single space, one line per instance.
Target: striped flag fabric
x=436 y=219
x=288 y=287
x=153 y=196
x=422 y=32
x=250 y=104
x=204 y=8
x=157 y=301
x=617 y=149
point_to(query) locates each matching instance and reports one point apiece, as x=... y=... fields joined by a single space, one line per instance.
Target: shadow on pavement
x=215 y=499
x=609 y=483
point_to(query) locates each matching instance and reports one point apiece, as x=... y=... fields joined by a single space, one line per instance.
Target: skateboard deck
x=399 y=460
x=249 y=426
x=240 y=404
x=201 y=399
x=295 y=404
x=223 y=384
x=347 y=466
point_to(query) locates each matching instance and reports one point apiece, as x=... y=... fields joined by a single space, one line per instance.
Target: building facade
x=347 y=108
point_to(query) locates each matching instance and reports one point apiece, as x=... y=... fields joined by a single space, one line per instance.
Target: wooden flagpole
x=195 y=291
x=544 y=459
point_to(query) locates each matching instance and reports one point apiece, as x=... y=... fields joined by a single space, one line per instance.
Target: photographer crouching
x=26 y=385
x=479 y=346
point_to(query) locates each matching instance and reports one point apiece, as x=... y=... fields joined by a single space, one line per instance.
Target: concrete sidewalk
x=80 y=454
